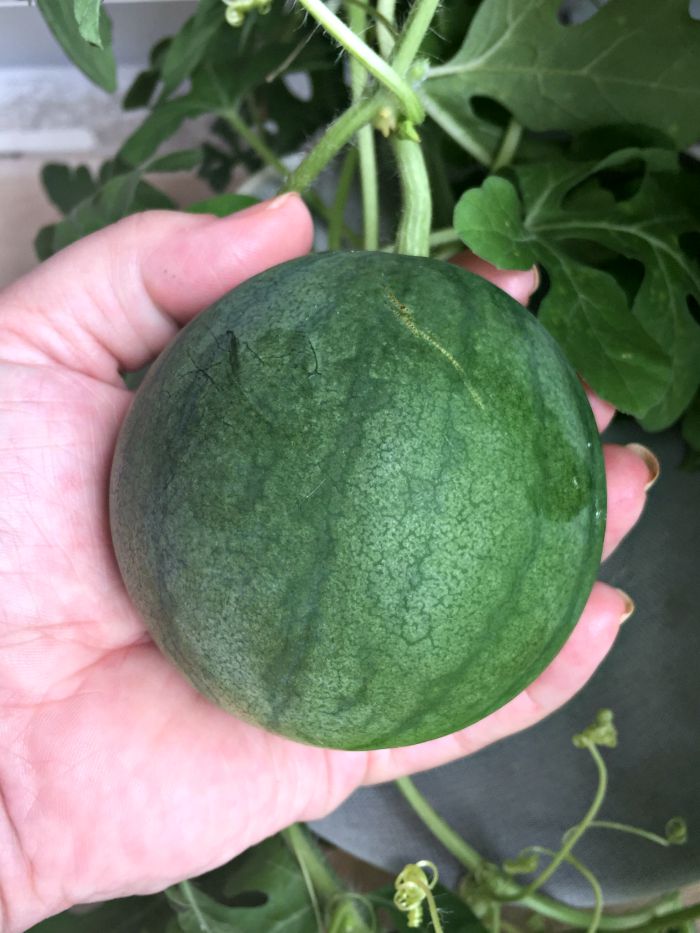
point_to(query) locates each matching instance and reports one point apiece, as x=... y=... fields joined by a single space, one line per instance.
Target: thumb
x=114 y=299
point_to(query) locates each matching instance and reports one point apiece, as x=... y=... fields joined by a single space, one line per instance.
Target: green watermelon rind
x=360 y=501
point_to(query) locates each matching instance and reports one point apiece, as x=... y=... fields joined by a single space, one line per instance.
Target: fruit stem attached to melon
x=413 y=235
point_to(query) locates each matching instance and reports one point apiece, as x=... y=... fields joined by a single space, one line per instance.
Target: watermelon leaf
x=141 y=91
x=620 y=280
x=221 y=205
x=225 y=66
x=148 y=914
x=181 y=161
x=263 y=889
x=636 y=58
x=67 y=186
x=118 y=194
x=189 y=45
x=95 y=61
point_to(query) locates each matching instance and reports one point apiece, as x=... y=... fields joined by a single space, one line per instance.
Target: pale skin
x=116 y=777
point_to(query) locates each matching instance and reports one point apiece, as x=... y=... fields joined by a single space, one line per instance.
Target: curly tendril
x=237 y=10
x=413 y=887
x=676 y=831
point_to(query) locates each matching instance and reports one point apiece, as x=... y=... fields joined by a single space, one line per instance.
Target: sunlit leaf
x=87 y=16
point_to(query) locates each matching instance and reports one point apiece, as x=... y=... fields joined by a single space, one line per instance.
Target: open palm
x=116 y=777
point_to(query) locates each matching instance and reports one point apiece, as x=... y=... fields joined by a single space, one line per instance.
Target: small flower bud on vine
x=600 y=732
x=386 y=121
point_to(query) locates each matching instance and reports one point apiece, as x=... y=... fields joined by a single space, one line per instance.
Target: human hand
x=116 y=777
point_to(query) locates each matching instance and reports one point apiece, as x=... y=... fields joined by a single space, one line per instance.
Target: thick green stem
x=385 y=36
x=357 y=18
x=444 y=237
x=263 y=151
x=342 y=193
x=509 y=145
x=576 y=917
x=370 y=187
x=413 y=33
x=458 y=132
x=336 y=136
x=667 y=921
x=326 y=884
x=540 y=903
x=451 y=840
x=585 y=873
x=413 y=235
x=575 y=834
x=188 y=895
x=375 y=64
x=323 y=880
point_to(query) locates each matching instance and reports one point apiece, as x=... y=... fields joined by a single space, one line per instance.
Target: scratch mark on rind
x=404 y=315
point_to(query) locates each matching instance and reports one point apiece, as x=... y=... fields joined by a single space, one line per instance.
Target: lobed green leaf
x=634 y=340
x=188 y=47
x=633 y=61
x=127 y=915
x=117 y=193
x=263 y=889
x=67 y=186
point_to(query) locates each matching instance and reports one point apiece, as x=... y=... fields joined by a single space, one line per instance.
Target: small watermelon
x=360 y=501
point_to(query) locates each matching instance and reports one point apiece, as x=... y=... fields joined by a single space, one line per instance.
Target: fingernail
x=280 y=201
x=629 y=606
x=652 y=463
x=262 y=207
x=536 y=279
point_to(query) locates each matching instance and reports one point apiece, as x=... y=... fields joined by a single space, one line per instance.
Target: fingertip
x=628 y=476
x=520 y=284
x=295 y=215
x=603 y=411
x=585 y=649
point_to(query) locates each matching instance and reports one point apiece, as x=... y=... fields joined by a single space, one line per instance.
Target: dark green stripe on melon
x=360 y=501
